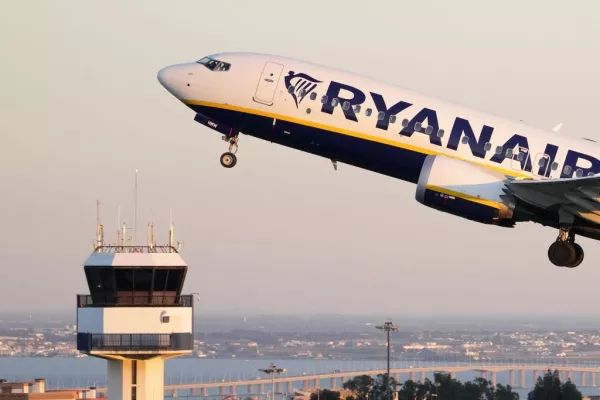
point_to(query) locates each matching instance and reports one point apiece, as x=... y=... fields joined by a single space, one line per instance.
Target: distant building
x=36 y=390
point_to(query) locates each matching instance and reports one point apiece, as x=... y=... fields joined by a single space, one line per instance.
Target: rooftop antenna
x=171 y=233
x=123 y=237
x=135 y=205
x=99 y=228
x=118 y=224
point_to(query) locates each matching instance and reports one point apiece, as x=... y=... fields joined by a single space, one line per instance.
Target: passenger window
x=590 y=174
x=368 y=112
x=324 y=99
x=465 y=140
x=291 y=89
x=308 y=110
x=357 y=108
x=499 y=150
x=302 y=93
x=567 y=170
x=392 y=119
x=487 y=146
x=554 y=166
x=542 y=162
x=429 y=130
x=380 y=116
x=313 y=96
x=509 y=153
x=334 y=102
x=579 y=173
x=440 y=133
x=346 y=105
x=520 y=156
x=418 y=126
x=405 y=122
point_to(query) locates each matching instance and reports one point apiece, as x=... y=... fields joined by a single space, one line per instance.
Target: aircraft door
x=267 y=84
x=541 y=166
x=522 y=154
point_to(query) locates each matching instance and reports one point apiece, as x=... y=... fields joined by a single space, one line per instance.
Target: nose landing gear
x=564 y=252
x=229 y=159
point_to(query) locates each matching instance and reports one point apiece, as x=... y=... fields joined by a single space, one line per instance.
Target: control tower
x=135 y=315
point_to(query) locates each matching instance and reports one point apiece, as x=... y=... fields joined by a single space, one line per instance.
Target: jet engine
x=466 y=190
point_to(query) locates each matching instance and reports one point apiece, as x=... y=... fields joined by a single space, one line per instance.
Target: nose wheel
x=564 y=252
x=229 y=159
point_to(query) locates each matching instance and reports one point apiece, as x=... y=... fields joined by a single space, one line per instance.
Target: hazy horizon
x=282 y=231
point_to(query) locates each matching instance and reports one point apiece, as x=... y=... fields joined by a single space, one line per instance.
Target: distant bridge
x=587 y=378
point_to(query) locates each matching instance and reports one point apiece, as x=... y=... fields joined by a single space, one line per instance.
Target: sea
x=89 y=371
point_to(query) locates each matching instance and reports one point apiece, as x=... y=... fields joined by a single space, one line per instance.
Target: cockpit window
x=214 y=65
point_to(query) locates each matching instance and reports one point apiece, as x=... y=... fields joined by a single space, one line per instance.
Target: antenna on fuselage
x=334 y=163
x=557 y=127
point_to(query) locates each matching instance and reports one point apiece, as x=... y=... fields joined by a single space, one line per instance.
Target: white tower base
x=136 y=379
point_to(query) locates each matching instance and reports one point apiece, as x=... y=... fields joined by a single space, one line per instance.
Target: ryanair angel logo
x=300 y=85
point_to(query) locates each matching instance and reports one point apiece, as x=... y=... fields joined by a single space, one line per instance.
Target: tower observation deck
x=135 y=315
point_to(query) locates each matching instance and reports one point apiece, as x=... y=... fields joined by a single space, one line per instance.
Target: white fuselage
x=252 y=96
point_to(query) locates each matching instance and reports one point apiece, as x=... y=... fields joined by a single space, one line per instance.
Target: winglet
x=557 y=127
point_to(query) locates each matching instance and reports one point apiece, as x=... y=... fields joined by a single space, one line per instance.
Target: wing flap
x=577 y=196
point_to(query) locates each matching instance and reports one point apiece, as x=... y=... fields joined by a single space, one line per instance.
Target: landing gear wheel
x=228 y=160
x=578 y=256
x=562 y=253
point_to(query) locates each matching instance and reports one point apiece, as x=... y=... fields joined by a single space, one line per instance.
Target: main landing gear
x=228 y=159
x=564 y=252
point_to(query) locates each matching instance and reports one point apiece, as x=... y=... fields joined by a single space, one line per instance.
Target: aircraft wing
x=577 y=196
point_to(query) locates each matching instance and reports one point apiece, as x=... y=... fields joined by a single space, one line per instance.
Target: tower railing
x=119 y=342
x=111 y=300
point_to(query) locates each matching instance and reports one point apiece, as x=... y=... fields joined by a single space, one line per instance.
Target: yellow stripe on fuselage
x=463 y=196
x=348 y=133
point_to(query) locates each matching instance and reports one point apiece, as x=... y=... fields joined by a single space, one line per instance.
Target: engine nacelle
x=466 y=190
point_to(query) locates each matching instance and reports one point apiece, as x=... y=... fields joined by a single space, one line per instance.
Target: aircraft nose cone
x=167 y=77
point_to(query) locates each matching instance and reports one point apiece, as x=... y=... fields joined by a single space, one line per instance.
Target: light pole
x=272 y=370
x=388 y=326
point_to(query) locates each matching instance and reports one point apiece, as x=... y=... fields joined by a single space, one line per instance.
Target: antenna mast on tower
x=135 y=205
x=99 y=228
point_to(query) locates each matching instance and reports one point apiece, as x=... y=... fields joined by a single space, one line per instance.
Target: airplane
x=464 y=162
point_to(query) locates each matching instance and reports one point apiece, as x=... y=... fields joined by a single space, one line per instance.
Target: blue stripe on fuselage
x=377 y=157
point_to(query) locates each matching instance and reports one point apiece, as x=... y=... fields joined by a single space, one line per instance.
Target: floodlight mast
x=272 y=370
x=388 y=327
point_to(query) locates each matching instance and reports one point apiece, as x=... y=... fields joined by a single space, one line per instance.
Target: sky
x=282 y=232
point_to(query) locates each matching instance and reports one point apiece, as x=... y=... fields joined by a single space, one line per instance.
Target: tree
x=364 y=387
x=325 y=394
x=445 y=387
x=360 y=386
x=549 y=387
